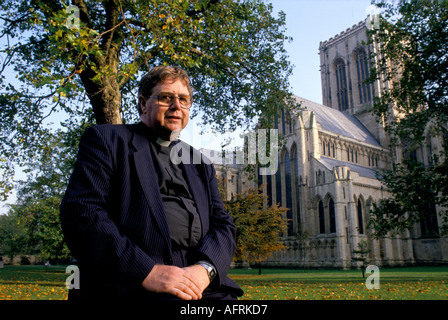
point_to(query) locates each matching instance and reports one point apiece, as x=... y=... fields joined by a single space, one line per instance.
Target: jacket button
x=168 y=261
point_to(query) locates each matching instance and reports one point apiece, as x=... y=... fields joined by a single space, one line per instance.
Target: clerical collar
x=163 y=143
x=152 y=136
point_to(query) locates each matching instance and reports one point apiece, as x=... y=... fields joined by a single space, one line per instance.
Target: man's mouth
x=173 y=117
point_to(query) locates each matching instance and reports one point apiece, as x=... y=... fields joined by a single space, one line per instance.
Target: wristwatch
x=209 y=267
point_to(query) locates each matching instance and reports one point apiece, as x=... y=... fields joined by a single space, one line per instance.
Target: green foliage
x=259 y=229
x=233 y=51
x=416 y=190
x=13 y=237
x=40 y=220
x=413 y=50
x=412 y=58
x=360 y=254
x=33 y=222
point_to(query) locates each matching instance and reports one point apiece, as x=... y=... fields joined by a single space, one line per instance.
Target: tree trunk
x=105 y=97
x=106 y=104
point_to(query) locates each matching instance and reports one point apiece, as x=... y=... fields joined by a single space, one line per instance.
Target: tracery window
x=288 y=184
x=321 y=217
x=362 y=68
x=332 y=216
x=360 y=223
x=297 y=183
x=341 y=85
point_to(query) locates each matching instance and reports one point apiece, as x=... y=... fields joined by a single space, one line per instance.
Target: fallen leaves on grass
x=392 y=290
x=32 y=292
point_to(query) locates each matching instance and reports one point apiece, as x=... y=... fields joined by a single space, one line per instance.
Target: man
x=139 y=224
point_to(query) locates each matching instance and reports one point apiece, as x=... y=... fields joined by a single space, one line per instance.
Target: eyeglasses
x=167 y=99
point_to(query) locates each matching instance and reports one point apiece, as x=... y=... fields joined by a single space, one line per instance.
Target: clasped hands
x=185 y=283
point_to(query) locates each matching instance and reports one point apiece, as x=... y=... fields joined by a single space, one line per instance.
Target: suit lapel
x=147 y=175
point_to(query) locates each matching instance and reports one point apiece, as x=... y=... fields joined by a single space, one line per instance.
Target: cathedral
x=328 y=166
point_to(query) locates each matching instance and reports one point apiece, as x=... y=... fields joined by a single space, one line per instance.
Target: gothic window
x=283 y=122
x=291 y=127
x=428 y=223
x=332 y=216
x=260 y=179
x=269 y=188
x=341 y=85
x=278 y=184
x=430 y=157
x=362 y=68
x=321 y=217
x=288 y=192
x=360 y=223
x=297 y=183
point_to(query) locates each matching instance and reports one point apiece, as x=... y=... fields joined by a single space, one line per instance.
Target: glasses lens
x=168 y=99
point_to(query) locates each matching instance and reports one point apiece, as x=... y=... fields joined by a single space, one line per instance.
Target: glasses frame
x=175 y=97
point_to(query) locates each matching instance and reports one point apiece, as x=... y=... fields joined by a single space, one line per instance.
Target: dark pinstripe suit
x=114 y=223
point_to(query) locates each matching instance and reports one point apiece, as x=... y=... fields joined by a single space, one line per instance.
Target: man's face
x=165 y=120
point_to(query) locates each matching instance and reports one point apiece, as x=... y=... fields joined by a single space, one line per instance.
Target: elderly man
x=139 y=224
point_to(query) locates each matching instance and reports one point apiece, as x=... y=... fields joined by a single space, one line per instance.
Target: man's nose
x=176 y=104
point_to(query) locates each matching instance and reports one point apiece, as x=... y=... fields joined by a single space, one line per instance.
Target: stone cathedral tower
x=344 y=63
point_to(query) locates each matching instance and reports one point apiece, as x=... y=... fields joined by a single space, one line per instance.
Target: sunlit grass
x=317 y=290
x=33 y=283
x=414 y=283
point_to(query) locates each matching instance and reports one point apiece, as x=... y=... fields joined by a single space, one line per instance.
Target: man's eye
x=165 y=97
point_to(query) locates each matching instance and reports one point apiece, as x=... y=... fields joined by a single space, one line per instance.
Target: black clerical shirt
x=181 y=213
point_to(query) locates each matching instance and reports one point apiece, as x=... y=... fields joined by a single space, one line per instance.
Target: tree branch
x=83 y=13
x=141 y=60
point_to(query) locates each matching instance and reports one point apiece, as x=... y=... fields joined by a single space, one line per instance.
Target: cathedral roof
x=362 y=171
x=338 y=122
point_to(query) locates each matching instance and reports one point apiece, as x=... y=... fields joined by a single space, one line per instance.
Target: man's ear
x=142 y=103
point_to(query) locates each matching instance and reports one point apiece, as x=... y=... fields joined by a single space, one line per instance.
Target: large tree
x=412 y=37
x=84 y=58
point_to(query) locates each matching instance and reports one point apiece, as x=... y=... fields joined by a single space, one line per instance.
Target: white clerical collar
x=163 y=143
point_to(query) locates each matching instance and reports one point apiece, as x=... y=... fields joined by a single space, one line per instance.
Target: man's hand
x=184 y=283
x=199 y=274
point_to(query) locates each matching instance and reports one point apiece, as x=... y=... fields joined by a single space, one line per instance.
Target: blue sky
x=308 y=22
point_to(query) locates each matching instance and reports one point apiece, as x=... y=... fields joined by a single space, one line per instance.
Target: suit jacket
x=113 y=219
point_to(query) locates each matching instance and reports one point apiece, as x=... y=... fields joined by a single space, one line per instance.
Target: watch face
x=210 y=270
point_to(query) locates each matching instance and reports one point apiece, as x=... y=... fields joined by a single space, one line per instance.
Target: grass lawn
x=412 y=283
x=33 y=283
